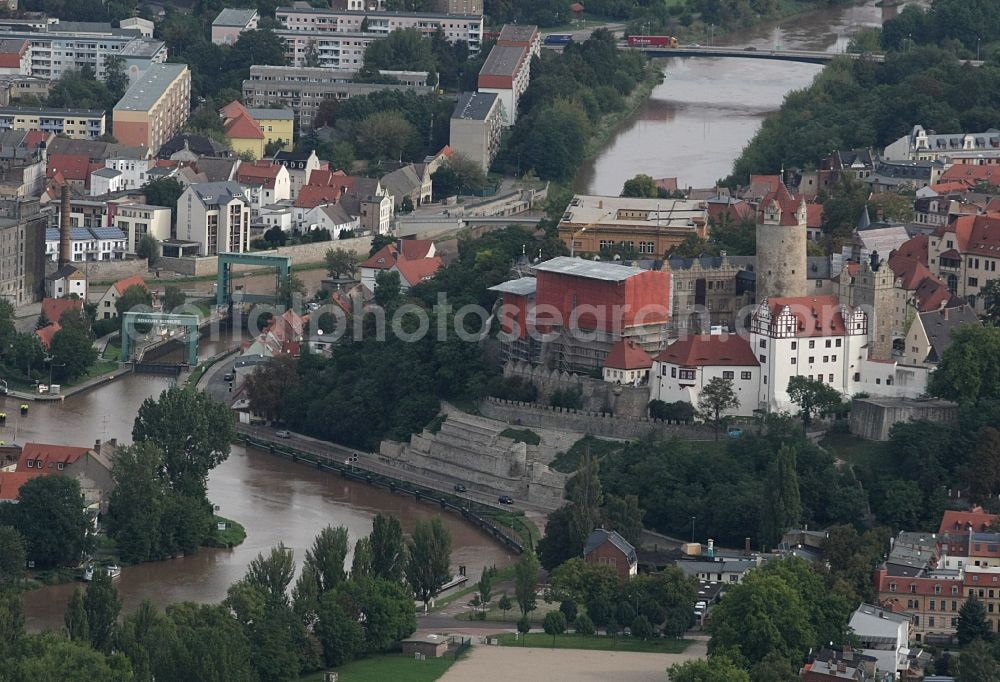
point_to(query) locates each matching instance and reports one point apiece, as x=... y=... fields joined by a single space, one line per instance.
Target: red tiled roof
x=816 y=316
x=948 y=187
x=12 y=59
x=46 y=333
x=324 y=177
x=243 y=128
x=262 y=173
x=961 y=227
x=311 y=197
x=11 y=482
x=234 y=109
x=416 y=248
x=814 y=215
x=669 y=184
x=932 y=294
x=972 y=173
x=45 y=457
x=383 y=259
x=53 y=308
x=912 y=249
x=709 y=350
x=787 y=202
x=958 y=521
x=770 y=183
x=984 y=237
x=71 y=166
x=122 y=285
x=417 y=270
x=35 y=138
x=627 y=354
x=910 y=272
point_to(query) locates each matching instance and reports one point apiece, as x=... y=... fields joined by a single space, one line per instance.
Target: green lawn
x=569 y=461
x=597 y=643
x=234 y=535
x=513 y=615
x=390 y=667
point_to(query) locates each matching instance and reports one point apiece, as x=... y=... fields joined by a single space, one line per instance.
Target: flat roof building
x=506 y=72
x=155 y=106
x=231 y=22
x=521 y=35
x=77 y=124
x=476 y=127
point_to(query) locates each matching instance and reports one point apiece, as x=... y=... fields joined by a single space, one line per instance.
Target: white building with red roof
x=684 y=367
x=965 y=254
x=91 y=467
x=413 y=259
x=627 y=363
x=266 y=182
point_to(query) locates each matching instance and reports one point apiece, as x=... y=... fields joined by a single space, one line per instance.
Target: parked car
x=459 y=488
x=228 y=376
x=282 y=433
x=504 y=499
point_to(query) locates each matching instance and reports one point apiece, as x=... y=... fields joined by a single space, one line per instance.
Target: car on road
x=459 y=488
x=228 y=376
x=504 y=499
x=282 y=433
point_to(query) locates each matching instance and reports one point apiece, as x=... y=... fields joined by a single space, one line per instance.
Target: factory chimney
x=65 y=223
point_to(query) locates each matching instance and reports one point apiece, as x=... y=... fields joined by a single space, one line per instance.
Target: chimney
x=97 y=446
x=65 y=246
x=944 y=313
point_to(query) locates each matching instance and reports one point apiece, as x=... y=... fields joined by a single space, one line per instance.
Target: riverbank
x=609 y=124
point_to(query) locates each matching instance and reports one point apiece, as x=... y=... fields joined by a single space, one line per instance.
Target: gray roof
x=503 y=61
x=142 y=47
x=380 y=15
x=96 y=149
x=64 y=271
x=337 y=214
x=52 y=112
x=474 y=105
x=517 y=33
x=217 y=170
x=234 y=16
x=212 y=193
x=12 y=44
x=599 y=536
x=524 y=286
x=588 y=269
x=402 y=181
x=939 y=325
x=696 y=567
x=107 y=173
x=149 y=87
x=710 y=262
x=273 y=114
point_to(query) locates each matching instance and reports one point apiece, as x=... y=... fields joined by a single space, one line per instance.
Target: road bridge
x=803 y=56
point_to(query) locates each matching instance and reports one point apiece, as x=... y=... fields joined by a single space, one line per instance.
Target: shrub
x=583 y=625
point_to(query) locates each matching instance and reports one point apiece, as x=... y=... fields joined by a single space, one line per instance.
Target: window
x=812 y=359
x=892 y=587
x=838 y=343
x=794 y=345
x=812 y=344
x=930 y=605
x=763 y=343
x=930 y=621
x=913 y=588
x=728 y=375
x=973 y=281
x=793 y=361
x=826 y=358
x=687 y=374
x=31 y=464
x=833 y=358
x=828 y=341
x=954 y=606
x=763 y=359
x=745 y=376
x=673 y=372
x=831 y=379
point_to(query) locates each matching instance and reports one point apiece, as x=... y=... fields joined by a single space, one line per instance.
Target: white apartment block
x=87 y=244
x=216 y=215
x=63 y=48
x=135 y=172
x=923 y=145
x=138 y=220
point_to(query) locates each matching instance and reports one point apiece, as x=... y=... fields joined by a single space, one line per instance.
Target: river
x=697 y=121
x=276 y=500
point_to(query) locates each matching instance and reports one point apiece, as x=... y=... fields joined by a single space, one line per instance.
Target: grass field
x=596 y=643
x=389 y=667
x=233 y=535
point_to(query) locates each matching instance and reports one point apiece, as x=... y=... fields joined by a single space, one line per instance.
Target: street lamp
x=572 y=241
x=978 y=40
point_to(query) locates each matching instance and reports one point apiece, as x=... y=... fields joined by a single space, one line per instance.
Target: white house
x=280 y=215
x=88 y=244
x=627 y=363
x=134 y=172
x=216 y=215
x=138 y=220
x=266 y=182
x=66 y=281
x=330 y=217
x=104 y=181
x=300 y=166
x=413 y=259
x=884 y=635
x=106 y=305
x=684 y=367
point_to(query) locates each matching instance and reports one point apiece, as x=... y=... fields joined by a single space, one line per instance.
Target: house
x=838 y=666
x=91 y=467
x=155 y=106
x=609 y=548
x=73 y=169
x=684 y=367
x=46 y=333
x=191 y=147
x=88 y=243
x=284 y=335
x=719 y=571
x=216 y=215
x=105 y=181
x=331 y=217
x=506 y=72
x=66 y=281
x=884 y=635
x=137 y=220
x=231 y=22
x=930 y=334
x=923 y=145
x=11 y=482
x=277 y=125
x=53 y=309
x=299 y=165
x=627 y=363
x=106 y=305
x=250 y=131
x=963 y=254
x=412 y=181
x=476 y=127
x=267 y=182
x=413 y=259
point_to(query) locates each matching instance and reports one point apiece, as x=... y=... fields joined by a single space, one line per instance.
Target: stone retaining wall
x=598 y=396
x=590 y=423
x=300 y=254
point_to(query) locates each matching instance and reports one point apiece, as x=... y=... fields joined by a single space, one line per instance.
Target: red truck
x=652 y=41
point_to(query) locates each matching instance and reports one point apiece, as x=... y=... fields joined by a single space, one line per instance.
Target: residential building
x=138 y=220
x=78 y=124
x=326 y=49
x=883 y=635
x=521 y=35
x=266 y=182
x=336 y=219
x=143 y=27
x=90 y=467
x=191 y=147
x=506 y=72
x=14 y=57
x=135 y=173
x=720 y=570
x=155 y=107
x=15 y=88
x=276 y=124
x=900 y=176
x=838 y=666
x=923 y=145
x=930 y=334
x=250 y=131
x=58 y=48
x=104 y=181
x=460 y=7
x=305 y=88
x=647 y=227
x=609 y=548
x=231 y=22
x=476 y=126
x=456 y=27
x=963 y=253
x=106 y=305
x=88 y=244
x=299 y=166
x=627 y=363
x=412 y=181
x=66 y=281
x=22 y=250
x=374 y=211
x=140 y=54
x=216 y=215
x=413 y=259
x=682 y=370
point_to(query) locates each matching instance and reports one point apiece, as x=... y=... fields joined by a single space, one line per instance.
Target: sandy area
x=511 y=663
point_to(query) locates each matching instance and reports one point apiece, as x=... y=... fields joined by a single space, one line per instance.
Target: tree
x=173 y=298
x=102 y=606
x=388 y=549
x=554 y=624
x=164 y=192
x=77 y=320
x=50 y=517
x=640 y=186
x=485 y=587
x=76 y=618
x=583 y=625
x=406 y=205
x=978 y=662
x=136 y=297
x=523 y=626
x=385 y=610
x=715 y=669
x=387 y=292
x=386 y=136
x=340 y=635
x=50 y=656
x=972 y=623
x=525 y=580
x=7 y=328
x=505 y=604
x=568 y=608
x=717 y=396
x=362 y=565
x=27 y=353
x=429 y=565
x=622 y=514
x=641 y=627
x=341 y=262
x=812 y=396
x=401 y=50
x=271 y=575
x=72 y=354
x=290 y=288
x=268 y=386
x=149 y=248
x=13 y=556
x=990 y=294
x=197 y=642
x=379 y=242
x=561 y=541
x=783 y=505
x=327 y=556
x=969 y=366
x=194 y=432
x=774 y=668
